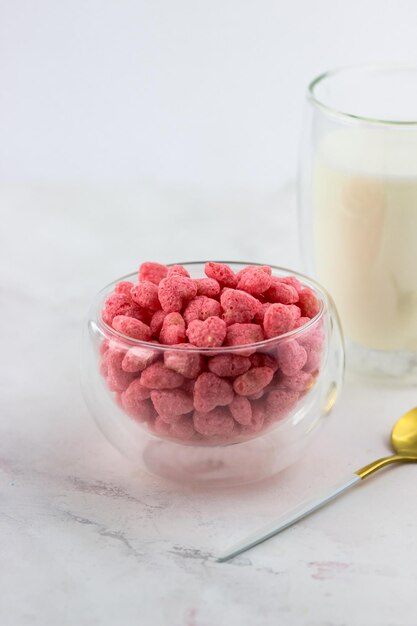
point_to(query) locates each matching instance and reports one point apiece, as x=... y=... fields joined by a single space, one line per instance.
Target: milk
x=364 y=186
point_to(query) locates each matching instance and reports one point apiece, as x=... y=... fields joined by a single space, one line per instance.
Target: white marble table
x=88 y=540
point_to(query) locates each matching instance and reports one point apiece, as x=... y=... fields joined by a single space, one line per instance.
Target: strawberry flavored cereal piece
x=183 y=429
x=121 y=304
x=222 y=273
x=229 y=365
x=175 y=291
x=211 y=391
x=157 y=376
x=171 y=404
x=135 y=402
x=177 y=270
x=136 y=392
x=238 y=306
x=255 y=280
x=257 y=395
x=146 y=295
x=313 y=361
x=300 y=381
x=161 y=427
x=257 y=420
x=279 y=319
x=293 y=281
x=260 y=313
x=124 y=287
x=208 y=334
x=281 y=292
x=216 y=423
x=137 y=359
x=261 y=359
x=301 y=322
x=156 y=322
x=117 y=379
x=291 y=357
x=207 y=287
x=281 y=401
x=188 y=386
x=173 y=329
x=154 y=272
x=200 y=308
x=131 y=327
x=308 y=303
x=252 y=381
x=241 y=410
x=103 y=363
x=242 y=334
x=186 y=362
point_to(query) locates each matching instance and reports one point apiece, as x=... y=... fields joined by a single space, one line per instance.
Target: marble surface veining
x=88 y=540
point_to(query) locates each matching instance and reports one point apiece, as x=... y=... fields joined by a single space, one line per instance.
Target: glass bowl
x=269 y=428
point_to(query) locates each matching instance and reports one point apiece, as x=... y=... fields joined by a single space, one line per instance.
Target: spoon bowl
x=404 y=434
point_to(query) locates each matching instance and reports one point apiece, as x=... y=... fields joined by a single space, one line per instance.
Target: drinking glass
x=358 y=211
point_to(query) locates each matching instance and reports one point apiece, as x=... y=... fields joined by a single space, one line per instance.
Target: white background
x=187 y=92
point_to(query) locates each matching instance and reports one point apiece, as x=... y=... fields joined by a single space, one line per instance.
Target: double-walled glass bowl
x=219 y=449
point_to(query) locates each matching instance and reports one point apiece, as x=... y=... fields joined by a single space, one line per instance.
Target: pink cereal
x=252 y=381
x=171 y=404
x=238 y=306
x=124 y=287
x=291 y=357
x=280 y=402
x=161 y=427
x=156 y=323
x=293 y=281
x=260 y=313
x=255 y=280
x=117 y=379
x=211 y=391
x=257 y=421
x=208 y=334
x=262 y=359
x=215 y=423
x=301 y=322
x=207 y=287
x=175 y=291
x=136 y=392
x=157 y=376
x=200 y=308
x=173 y=329
x=183 y=429
x=177 y=270
x=241 y=410
x=154 y=272
x=243 y=334
x=185 y=361
x=313 y=361
x=308 y=303
x=281 y=292
x=131 y=327
x=137 y=359
x=121 y=304
x=222 y=273
x=300 y=381
x=229 y=365
x=279 y=319
x=135 y=401
x=145 y=294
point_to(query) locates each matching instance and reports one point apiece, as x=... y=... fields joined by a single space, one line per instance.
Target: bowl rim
x=110 y=332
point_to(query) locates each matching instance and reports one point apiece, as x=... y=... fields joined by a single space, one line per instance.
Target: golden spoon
x=404 y=442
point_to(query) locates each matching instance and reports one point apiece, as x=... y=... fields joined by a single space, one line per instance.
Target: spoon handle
x=290 y=518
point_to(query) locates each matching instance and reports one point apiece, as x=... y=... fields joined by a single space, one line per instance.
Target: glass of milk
x=358 y=210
